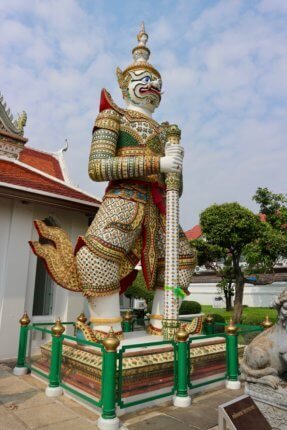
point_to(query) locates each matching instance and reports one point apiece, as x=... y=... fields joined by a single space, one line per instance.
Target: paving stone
x=78 y=424
x=12 y=385
x=202 y=417
x=26 y=399
x=78 y=408
x=203 y=413
x=34 y=382
x=35 y=417
x=161 y=422
x=9 y=422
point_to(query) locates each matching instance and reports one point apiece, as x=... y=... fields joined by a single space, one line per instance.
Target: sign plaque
x=242 y=413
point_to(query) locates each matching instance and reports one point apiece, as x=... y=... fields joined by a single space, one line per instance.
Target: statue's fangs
x=129 y=150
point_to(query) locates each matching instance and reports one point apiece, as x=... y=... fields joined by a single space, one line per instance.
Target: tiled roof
x=194 y=233
x=17 y=174
x=43 y=161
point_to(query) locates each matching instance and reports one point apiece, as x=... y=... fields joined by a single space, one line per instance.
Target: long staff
x=170 y=321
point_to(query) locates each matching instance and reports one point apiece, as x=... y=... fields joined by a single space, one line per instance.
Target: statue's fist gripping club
x=172 y=161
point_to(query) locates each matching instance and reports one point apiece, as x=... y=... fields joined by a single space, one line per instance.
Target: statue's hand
x=172 y=161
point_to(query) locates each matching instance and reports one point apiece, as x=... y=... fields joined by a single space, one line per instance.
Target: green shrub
x=138 y=289
x=189 y=307
x=218 y=319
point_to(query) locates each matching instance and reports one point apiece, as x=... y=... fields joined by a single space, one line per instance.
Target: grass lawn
x=249 y=315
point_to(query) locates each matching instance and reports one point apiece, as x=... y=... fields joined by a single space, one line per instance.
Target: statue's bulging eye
x=146 y=79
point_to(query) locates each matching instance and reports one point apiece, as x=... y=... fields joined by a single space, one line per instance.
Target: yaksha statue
x=131 y=151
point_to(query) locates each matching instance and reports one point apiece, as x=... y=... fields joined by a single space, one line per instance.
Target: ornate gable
x=12 y=140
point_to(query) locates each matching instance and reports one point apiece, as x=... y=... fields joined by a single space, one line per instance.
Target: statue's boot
x=157 y=313
x=56 y=249
x=105 y=314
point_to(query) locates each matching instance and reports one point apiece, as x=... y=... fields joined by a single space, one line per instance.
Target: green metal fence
x=39 y=327
x=121 y=356
x=191 y=384
x=113 y=362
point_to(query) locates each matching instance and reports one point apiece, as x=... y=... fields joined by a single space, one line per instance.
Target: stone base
x=113 y=424
x=53 y=391
x=233 y=385
x=182 y=402
x=272 y=403
x=19 y=371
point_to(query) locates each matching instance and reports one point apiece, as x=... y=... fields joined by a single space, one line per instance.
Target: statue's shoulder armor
x=110 y=114
x=163 y=131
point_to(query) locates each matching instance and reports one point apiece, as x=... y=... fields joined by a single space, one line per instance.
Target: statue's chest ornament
x=144 y=133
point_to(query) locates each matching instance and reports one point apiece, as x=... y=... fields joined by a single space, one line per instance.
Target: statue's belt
x=157 y=190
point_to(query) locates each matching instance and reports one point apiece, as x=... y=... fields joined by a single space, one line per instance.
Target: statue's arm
x=104 y=165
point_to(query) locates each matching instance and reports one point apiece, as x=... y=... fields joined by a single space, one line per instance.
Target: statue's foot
x=270 y=380
x=94 y=335
x=155 y=325
x=102 y=326
x=100 y=335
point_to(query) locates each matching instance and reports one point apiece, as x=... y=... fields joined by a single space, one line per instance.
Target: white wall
x=254 y=295
x=18 y=269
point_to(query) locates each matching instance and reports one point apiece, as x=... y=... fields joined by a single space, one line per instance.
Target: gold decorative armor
x=130 y=224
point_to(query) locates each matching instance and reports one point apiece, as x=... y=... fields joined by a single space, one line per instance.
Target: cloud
x=224 y=69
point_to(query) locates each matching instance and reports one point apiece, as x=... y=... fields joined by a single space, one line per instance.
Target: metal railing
x=113 y=387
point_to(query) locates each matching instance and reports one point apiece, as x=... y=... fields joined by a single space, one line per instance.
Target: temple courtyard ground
x=24 y=405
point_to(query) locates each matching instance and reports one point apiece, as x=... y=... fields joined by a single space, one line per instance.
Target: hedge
x=189 y=307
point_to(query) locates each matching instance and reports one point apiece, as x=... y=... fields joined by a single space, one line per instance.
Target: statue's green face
x=144 y=89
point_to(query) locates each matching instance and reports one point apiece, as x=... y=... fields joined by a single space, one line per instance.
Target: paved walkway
x=23 y=405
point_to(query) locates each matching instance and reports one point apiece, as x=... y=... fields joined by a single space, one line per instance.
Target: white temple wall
x=18 y=270
x=254 y=295
x=15 y=272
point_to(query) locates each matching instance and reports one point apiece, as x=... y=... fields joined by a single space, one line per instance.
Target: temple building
x=33 y=185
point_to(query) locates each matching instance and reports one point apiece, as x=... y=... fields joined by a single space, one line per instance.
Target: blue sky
x=224 y=68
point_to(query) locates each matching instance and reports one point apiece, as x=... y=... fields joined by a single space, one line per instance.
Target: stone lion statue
x=265 y=359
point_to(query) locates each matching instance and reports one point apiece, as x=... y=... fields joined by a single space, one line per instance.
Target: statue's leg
x=187 y=262
x=100 y=313
x=110 y=237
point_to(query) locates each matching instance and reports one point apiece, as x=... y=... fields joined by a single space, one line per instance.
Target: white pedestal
x=181 y=402
x=105 y=424
x=19 y=371
x=53 y=391
x=233 y=385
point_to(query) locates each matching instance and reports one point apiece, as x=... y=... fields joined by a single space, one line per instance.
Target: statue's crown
x=141 y=54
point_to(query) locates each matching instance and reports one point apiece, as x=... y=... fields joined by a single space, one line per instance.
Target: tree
x=274 y=206
x=138 y=290
x=209 y=255
x=231 y=227
x=271 y=244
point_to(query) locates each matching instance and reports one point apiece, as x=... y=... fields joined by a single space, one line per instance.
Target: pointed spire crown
x=141 y=54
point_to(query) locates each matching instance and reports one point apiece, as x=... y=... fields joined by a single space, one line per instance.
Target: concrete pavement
x=24 y=405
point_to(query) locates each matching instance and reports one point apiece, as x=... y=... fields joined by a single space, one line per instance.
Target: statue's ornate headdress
x=141 y=55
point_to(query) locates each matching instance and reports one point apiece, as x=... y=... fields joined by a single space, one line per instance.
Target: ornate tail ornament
x=58 y=257
x=170 y=322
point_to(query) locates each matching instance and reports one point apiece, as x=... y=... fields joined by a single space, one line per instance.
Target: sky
x=224 y=70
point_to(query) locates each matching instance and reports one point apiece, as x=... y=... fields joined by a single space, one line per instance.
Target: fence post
x=182 y=398
x=109 y=420
x=21 y=368
x=54 y=389
x=267 y=323
x=209 y=324
x=232 y=357
x=128 y=321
